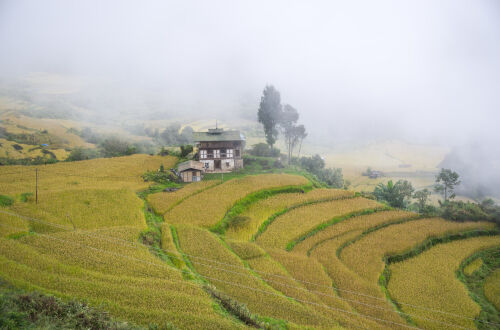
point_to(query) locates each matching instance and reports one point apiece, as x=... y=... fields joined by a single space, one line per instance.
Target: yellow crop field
x=311 y=275
x=139 y=281
x=365 y=256
x=473 y=266
x=246 y=250
x=298 y=221
x=107 y=173
x=429 y=280
x=86 y=209
x=364 y=297
x=258 y=212
x=362 y=222
x=492 y=288
x=12 y=225
x=209 y=207
x=161 y=202
x=261 y=298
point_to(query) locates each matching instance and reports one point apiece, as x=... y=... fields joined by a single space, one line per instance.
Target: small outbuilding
x=190 y=171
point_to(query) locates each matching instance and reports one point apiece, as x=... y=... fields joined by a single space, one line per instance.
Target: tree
x=446 y=181
x=422 y=196
x=302 y=134
x=289 y=117
x=269 y=113
x=395 y=195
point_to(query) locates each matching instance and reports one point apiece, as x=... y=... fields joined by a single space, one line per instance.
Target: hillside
x=265 y=251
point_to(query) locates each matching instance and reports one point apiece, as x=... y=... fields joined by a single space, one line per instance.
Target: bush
x=114 y=147
x=6 y=200
x=186 y=150
x=263 y=150
x=79 y=153
x=463 y=211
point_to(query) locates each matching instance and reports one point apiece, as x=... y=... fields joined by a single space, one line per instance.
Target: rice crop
x=13 y=226
x=102 y=173
x=365 y=256
x=258 y=212
x=492 y=288
x=85 y=209
x=298 y=221
x=199 y=242
x=356 y=223
x=429 y=280
x=312 y=276
x=246 y=250
x=163 y=201
x=156 y=294
x=364 y=297
x=209 y=207
x=473 y=266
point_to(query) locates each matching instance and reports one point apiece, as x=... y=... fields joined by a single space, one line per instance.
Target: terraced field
x=320 y=259
x=260 y=211
x=209 y=207
x=492 y=288
x=429 y=280
x=299 y=221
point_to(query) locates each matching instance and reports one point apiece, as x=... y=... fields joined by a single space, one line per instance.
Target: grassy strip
x=383 y=281
x=384 y=278
x=151 y=237
x=372 y=229
x=320 y=227
x=34 y=310
x=244 y=203
x=270 y=220
x=475 y=285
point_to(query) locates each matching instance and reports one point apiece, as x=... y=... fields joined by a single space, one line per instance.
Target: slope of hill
x=288 y=259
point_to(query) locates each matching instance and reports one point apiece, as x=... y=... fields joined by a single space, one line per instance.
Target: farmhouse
x=220 y=150
x=190 y=171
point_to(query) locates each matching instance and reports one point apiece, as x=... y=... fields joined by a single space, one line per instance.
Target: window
x=216 y=153
x=237 y=153
x=229 y=153
x=203 y=154
x=207 y=165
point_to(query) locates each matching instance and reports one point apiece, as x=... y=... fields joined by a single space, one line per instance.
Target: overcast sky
x=426 y=69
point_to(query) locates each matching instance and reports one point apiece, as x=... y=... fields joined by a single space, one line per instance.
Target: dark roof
x=218 y=134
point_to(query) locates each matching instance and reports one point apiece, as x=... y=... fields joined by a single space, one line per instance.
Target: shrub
x=463 y=211
x=263 y=150
x=114 y=147
x=82 y=154
x=6 y=200
x=186 y=150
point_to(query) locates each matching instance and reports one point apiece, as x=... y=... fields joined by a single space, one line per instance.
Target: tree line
x=401 y=193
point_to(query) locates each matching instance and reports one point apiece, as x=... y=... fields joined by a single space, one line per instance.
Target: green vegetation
x=6 y=200
x=34 y=310
x=395 y=194
x=446 y=181
x=475 y=282
x=243 y=204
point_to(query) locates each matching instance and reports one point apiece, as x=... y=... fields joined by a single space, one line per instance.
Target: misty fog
x=357 y=71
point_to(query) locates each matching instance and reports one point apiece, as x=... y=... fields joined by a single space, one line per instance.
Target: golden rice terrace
x=257 y=251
